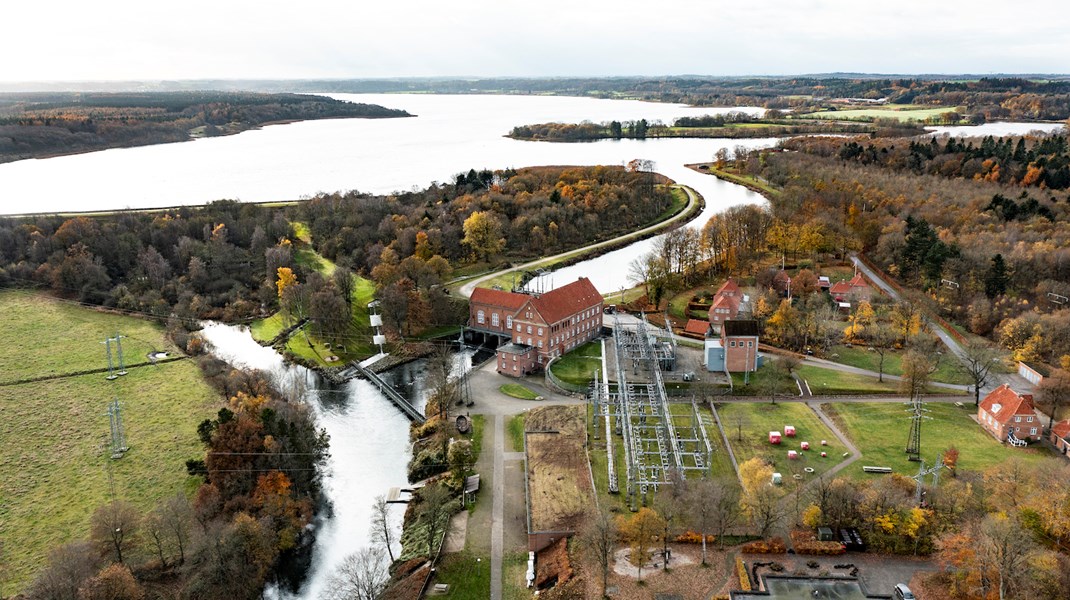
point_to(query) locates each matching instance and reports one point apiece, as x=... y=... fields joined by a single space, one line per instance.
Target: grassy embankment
x=731 y=175
x=55 y=433
x=301 y=343
x=880 y=431
x=506 y=280
x=515 y=428
x=518 y=391
x=579 y=365
x=748 y=424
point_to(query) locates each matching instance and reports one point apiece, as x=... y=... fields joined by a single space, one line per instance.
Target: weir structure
x=659 y=437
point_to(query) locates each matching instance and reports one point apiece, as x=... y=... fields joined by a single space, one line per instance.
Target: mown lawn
x=720 y=466
x=902 y=112
x=579 y=365
x=55 y=469
x=829 y=381
x=859 y=356
x=747 y=425
x=467 y=574
x=757 y=383
x=880 y=431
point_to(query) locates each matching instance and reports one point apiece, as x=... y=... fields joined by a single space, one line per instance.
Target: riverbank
x=753 y=184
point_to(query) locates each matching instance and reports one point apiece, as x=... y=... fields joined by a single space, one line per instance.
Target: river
x=369 y=442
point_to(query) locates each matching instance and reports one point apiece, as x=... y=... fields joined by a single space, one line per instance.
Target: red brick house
x=726 y=303
x=1060 y=436
x=1010 y=416
x=740 y=342
x=855 y=290
x=539 y=327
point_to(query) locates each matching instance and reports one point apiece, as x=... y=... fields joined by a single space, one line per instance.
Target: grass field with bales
x=56 y=469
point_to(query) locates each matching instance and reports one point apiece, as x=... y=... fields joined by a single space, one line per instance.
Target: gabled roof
x=509 y=300
x=697 y=326
x=740 y=327
x=1062 y=429
x=567 y=300
x=1004 y=404
x=729 y=302
x=729 y=288
x=840 y=287
x=858 y=281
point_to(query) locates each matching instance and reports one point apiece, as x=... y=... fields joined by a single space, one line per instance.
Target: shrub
x=744 y=579
x=771 y=546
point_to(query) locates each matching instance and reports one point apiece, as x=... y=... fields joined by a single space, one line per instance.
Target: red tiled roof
x=729 y=302
x=566 y=301
x=858 y=281
x=501 y=298
x=840 y=287
x=1062 y=429
x=697 y=326
x=1003 y=404
x=728 y=288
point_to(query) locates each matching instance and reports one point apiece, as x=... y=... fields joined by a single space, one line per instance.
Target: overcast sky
x=192 y=39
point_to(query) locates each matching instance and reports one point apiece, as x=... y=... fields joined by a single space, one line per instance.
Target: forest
x=35 y=125
x=222 y=261
x=991 y=253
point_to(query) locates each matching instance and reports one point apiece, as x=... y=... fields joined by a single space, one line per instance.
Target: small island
x=42 y=125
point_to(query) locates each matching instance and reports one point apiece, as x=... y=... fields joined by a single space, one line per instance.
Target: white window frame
x=509 y=321
x=495 y=320
x=481 y=317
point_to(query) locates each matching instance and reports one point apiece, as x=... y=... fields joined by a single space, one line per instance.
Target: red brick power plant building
x=539 y=327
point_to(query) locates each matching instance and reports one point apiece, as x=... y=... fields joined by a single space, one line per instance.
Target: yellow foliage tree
x=641 y=532
x=811 y=517
x=863 y=318
x=286 y=278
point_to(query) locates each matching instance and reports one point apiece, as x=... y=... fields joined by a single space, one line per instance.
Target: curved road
x=692 y=199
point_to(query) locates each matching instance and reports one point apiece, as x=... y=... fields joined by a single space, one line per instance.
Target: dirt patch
x=559 y=479
x=622 y=562
x=690 y=581
x=408 y=580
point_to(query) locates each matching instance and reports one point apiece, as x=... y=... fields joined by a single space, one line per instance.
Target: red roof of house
x=840 y=287
x=858 y=281
x=566 y=301
x=1003 y=404
x=728 y=289
x=1062 y=429
x=697 y=326
x=501 y=298
x=729 y=302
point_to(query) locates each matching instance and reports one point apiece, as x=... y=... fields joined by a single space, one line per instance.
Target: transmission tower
x=917 y=411
x=118 y=436
x=923 y=472
x=111 y=367
x=112 y=374
x=119 y=350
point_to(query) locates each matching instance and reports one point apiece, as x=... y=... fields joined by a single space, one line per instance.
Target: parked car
x=902 y=592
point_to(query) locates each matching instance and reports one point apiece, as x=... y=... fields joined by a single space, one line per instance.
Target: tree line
x=47 y=124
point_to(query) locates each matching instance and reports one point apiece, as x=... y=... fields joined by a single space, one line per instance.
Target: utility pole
x=118 y=436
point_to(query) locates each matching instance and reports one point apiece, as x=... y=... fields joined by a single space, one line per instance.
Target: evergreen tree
x=996 y=277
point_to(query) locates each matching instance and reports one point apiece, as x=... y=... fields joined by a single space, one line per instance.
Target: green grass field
x=829 y=381
x=73 y=339
x=880 y=431
x=858 y=356
x=518 y=391
x=579 y=365
x=902 y=112
x=756 y=420
x=55 y=470
x=467 y=574
x=515 y=428
x=763 y=186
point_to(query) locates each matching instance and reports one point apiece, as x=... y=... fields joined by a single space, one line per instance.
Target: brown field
x=559 y=477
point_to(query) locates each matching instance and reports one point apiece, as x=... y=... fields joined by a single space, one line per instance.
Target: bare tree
x=916 y=371
x=1054 y=391
x=978 y=358
x=435 y=503
x=361 y=576
x=68 y=566
x=714 y=508
x=763 y=507
x=880 y=338
x=382 y=529
x=115 y=526
x=598 y=539
x=177 y=515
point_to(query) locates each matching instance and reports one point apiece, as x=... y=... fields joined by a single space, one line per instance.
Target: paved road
x=995 y=379
x=692 y=198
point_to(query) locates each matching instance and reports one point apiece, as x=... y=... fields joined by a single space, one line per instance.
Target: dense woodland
x=222 y=261
x=245 y=525
x=34 y=125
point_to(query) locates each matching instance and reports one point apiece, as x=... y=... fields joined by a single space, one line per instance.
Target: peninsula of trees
x=38 y=125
